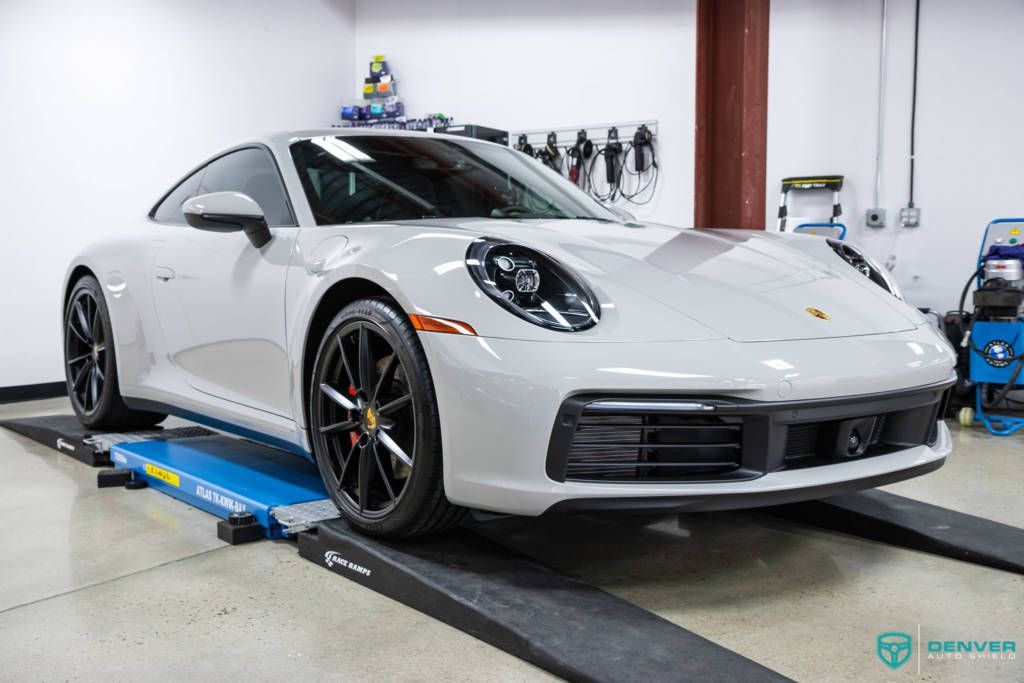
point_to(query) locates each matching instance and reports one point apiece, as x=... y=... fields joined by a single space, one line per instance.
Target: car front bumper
x=777 y=488
x=500 y=402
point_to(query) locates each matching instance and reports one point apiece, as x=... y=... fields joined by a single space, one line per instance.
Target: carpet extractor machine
x=814 y=185
x=990 y=340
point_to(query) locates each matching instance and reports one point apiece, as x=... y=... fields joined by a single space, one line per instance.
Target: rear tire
x=90 y=366
x=374 y=424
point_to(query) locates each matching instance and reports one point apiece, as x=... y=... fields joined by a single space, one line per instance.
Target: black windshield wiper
x=514 y=211
x=582 y=218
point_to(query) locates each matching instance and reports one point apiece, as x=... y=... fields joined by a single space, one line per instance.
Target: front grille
x=652 y=447
x=606 y=445
x=821 y=443
x=634 y=439
x=802 y=441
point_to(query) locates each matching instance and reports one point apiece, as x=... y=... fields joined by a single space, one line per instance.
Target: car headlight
x=866 y=266
x=532 y=285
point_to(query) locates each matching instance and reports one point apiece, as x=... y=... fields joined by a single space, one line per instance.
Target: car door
x=220 y=301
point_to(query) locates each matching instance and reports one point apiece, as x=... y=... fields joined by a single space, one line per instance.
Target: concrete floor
x=131 y=585
x=134 y=585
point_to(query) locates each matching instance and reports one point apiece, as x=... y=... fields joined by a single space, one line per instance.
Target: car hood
x=746 y=285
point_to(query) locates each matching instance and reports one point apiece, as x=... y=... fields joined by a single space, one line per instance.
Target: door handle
x=163 y=273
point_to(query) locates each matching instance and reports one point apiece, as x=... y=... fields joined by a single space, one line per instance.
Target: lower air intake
x=657 y=447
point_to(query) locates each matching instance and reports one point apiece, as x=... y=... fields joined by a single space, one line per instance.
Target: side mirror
x=228 y=212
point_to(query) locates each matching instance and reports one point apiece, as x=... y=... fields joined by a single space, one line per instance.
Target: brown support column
x=732 y=121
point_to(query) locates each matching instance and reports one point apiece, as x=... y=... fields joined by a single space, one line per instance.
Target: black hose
x=1007 y=388
x=963 y=299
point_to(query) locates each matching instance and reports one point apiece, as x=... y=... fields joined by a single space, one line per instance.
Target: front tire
x=374 y=424
x=90 y=367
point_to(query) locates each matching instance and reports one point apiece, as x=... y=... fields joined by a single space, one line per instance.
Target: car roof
x=285 y=138
x=280 y=141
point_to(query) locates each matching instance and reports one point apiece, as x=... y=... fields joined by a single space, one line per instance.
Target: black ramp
x=66 y=434
x=61 y=432
x=563 y=625
x=886 y=517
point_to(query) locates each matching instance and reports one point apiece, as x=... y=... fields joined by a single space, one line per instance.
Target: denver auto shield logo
x=894 y=648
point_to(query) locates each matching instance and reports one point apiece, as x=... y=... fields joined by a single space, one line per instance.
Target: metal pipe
x=913 y=102
x=881 y=106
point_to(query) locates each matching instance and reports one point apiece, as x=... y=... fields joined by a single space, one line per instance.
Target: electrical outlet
x=910 y=217
x=875 y=218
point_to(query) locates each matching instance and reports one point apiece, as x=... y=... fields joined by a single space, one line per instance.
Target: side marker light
x=429 y=323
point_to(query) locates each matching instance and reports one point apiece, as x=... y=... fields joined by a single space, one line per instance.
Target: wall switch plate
x=875 y=218
x=910 y=217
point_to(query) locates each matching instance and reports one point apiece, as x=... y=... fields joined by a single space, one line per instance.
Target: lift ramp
x=232 y=479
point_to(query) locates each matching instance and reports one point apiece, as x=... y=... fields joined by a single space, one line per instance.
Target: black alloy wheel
x=370 y=419
x=90 y=365
x=85 y=351
x=374 y=424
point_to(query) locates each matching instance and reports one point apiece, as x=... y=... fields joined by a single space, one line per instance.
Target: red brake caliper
x=352 y=435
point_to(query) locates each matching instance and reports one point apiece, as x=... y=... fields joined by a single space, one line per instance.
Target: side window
x=252 y=172
x=169 y=210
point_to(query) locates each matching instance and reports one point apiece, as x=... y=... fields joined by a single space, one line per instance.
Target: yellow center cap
x=817 y=313
x=371 y=419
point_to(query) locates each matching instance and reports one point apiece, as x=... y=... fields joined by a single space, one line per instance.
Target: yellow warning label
x=163 y=475
x=1015 y=231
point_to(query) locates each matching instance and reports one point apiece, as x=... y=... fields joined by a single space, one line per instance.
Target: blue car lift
x=258 y=492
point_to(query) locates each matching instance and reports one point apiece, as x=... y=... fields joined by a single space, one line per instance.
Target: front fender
x=818 y=248
x=121 y=267
x=423 y=269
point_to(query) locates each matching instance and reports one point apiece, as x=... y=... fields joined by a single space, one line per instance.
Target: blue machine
x=995 y=336
x=222 y=475
x=999 y=344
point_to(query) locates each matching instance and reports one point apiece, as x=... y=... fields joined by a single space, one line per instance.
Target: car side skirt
x=217 y=423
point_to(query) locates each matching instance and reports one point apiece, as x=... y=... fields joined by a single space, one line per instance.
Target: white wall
x=548 y=63
x=535 y=64
x=821 y=118
x=106 y=103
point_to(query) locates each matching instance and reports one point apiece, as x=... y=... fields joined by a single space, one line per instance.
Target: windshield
x=362 y=178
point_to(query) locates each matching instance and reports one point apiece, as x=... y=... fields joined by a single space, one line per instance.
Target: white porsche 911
x=443 y=323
